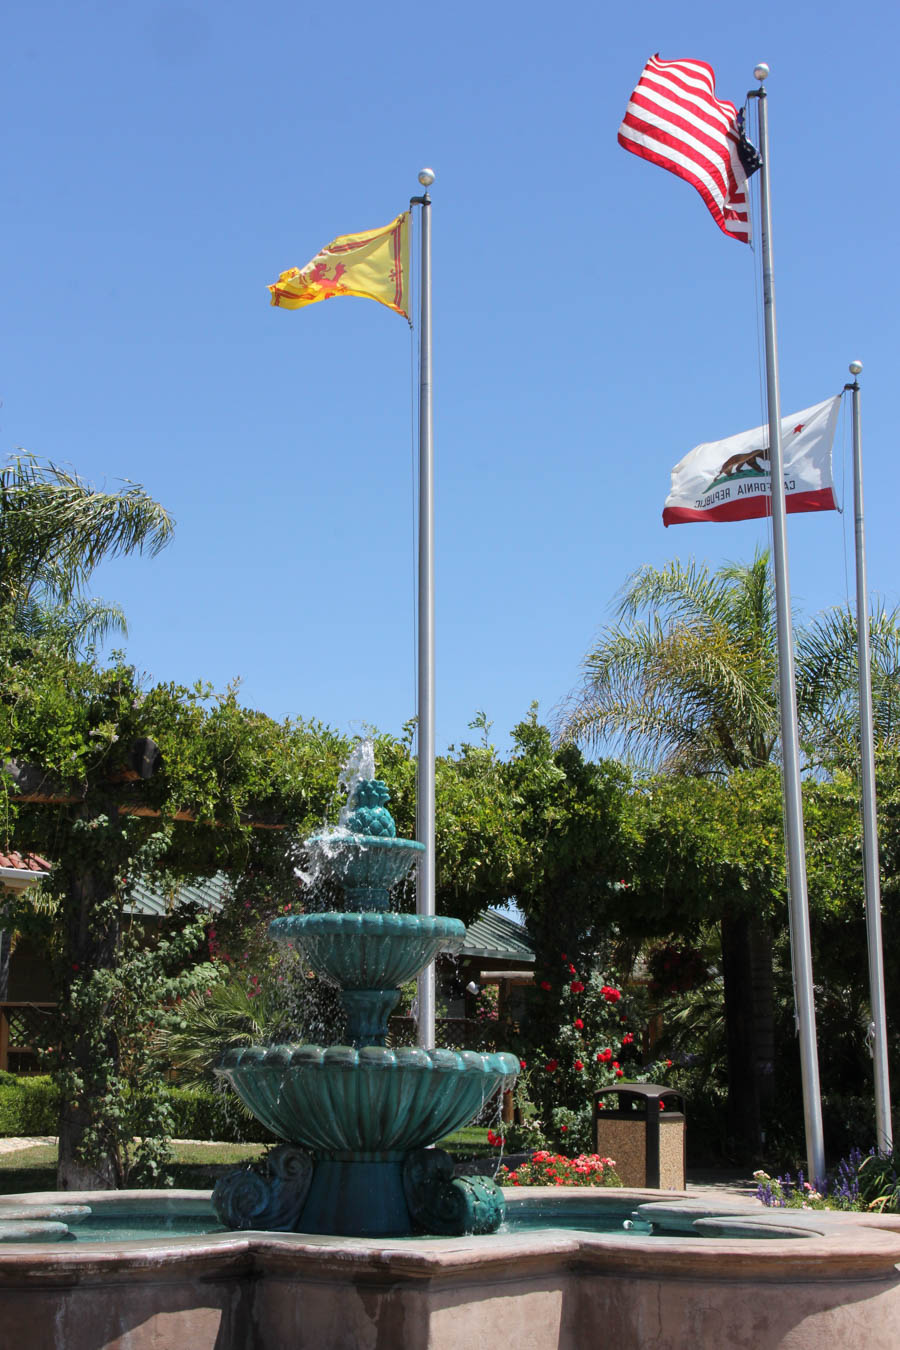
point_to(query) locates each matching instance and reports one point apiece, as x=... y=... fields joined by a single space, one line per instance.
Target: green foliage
x=54 y=530
x=879 y=1182
x=28 y=1106
x=118 y=1089
x=593 y=1041
x=205 y=1114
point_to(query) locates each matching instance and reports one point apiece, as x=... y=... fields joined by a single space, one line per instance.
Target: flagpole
x=871 y=870
x=425 y=708
x=801 y=951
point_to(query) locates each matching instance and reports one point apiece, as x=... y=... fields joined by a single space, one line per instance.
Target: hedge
x=29 y=1106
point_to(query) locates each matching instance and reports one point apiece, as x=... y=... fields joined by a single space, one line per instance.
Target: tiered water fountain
x=359 y=1118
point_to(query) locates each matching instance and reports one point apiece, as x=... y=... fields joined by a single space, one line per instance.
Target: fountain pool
x=563 y=1285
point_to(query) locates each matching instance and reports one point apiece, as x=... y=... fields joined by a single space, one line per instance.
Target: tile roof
x=497 y=937
x=24 y=862
x=208 y=893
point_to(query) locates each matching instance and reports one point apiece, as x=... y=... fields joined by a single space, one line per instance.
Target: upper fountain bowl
x=364 y=856
x=366 y=866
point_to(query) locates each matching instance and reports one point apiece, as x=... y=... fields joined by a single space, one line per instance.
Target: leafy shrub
x=202 y=1113
x=28 y=1106
x=841 y=1189
x=879 y=1182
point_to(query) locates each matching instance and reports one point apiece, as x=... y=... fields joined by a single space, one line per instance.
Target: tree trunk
x=91 y=939
x=749 y=1028
x=5 y=948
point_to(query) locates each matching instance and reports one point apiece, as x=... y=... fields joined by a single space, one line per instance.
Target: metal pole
x=878 y=1025
x=425 y=732
x=801 y=953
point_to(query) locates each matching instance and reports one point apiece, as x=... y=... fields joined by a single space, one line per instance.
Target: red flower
x=578 y=1065
x=563 y=1128
x=552 y=1065
x=662 y=1106
x=604 y=1056
x=611 y=995
x=75 y=965
x=620 y=1073
x=522 y=1064
x=668 y=1064
x=563 y=957
x=578 y=1024
x=546 y=985
x=615 y=1063
x=576 y=987
x=571 y=969
x=628 y=1038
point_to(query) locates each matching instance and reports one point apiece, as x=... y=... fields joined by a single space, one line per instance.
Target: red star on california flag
x=798 y=427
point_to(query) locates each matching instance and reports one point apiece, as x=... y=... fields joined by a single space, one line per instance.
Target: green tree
x=54 y=531
x=685 y=682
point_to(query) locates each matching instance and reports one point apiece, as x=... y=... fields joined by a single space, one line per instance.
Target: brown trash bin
x=644 y=1133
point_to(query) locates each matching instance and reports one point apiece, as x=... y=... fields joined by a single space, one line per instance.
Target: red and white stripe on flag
x=675 y=120
x=730 y=479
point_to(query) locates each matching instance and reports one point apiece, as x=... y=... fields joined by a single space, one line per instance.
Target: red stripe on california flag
x=751 y=508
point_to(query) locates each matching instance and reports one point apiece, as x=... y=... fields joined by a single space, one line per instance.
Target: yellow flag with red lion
x=373 y=265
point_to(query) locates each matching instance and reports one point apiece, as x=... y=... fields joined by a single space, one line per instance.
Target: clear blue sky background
x=165 y=161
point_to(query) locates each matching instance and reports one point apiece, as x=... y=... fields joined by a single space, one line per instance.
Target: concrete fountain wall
x=549 y=1289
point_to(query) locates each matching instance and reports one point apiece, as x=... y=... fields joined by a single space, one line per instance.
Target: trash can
x=643 y=1131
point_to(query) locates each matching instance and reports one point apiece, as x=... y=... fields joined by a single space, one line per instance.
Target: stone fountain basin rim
x=859 y=1246
x=370 y=1058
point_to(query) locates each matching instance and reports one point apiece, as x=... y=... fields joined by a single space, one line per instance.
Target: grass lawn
x=197 y=1166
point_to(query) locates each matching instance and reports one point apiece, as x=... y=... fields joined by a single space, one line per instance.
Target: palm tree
x=54 y=531
x=686 y=683
x=686 y=680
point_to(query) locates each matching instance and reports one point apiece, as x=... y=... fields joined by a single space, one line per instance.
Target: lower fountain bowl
x=339 y=1101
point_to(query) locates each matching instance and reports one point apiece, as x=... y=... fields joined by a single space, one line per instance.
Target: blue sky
x=164 y=162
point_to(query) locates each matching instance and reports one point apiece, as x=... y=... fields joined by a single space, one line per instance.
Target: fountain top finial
x=369 y=814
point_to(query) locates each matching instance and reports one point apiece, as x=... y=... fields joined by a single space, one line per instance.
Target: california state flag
x=729 y=480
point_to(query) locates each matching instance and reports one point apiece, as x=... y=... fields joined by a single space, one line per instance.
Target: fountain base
x=374 y=1195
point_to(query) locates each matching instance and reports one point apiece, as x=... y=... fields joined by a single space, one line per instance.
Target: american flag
x=675 y=120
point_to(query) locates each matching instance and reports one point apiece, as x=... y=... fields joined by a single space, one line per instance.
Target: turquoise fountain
x=359 y=1119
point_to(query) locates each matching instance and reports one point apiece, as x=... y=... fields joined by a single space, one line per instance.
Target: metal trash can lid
x=638 y=1096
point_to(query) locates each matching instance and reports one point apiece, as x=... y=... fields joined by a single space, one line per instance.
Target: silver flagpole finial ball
x=760 y=72
x=426 y=177
x=855 y=367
